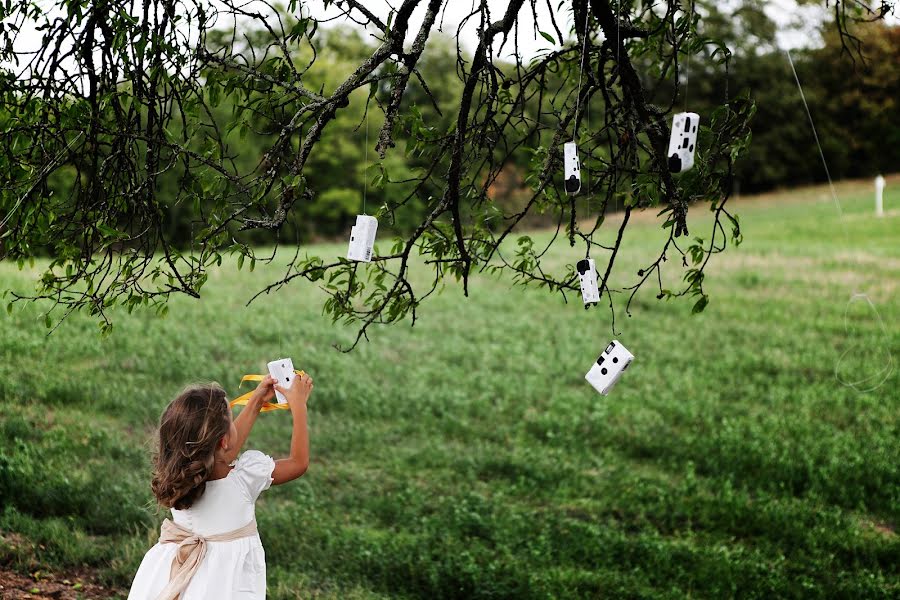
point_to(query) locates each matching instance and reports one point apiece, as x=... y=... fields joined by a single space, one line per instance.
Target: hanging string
x=37 y=179
x=366 y=162
x=615 y=179
x=587 y=173
x=618 y=30
x=587 y=12
x=885 y=372
x=687 y=64
x=587 y=123
x=837 y=203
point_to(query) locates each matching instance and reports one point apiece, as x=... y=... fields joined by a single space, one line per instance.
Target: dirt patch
x=859 y=258
x=42 y=585
x=859 y=273
x=763 y=263
x=868 y=216
x=811 y=194
x=879 y=527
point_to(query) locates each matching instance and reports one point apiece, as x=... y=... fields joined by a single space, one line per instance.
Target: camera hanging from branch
x=362 y=235
x=587 y=271
x=683 y=139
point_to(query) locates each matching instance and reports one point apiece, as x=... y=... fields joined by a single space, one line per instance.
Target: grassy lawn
x=468 y=458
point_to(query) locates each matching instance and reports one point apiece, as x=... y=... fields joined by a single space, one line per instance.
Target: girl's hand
x=265 y=391
x=299 y=392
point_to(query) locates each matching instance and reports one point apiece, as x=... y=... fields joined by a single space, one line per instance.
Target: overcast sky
x=796 y=24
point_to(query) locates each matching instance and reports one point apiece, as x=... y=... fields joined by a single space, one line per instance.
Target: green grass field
x=468 y=458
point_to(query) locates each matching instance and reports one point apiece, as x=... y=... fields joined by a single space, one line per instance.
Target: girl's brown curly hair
x=189 y=430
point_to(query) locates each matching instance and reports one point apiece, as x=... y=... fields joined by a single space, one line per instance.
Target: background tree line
x=854 y=104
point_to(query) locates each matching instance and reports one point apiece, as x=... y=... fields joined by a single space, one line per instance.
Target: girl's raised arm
x=264 y=392
x=288 y=469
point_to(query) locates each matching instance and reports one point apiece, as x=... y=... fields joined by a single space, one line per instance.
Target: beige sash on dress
x=190 y=553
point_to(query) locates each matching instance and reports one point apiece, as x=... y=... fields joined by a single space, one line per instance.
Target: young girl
x=210 y=548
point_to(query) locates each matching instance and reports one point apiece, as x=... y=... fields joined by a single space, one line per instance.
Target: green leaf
x=109 y=231
x=700 y=304
x=548 y=37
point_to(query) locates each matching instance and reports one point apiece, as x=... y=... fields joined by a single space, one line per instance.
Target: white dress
x=231 y=570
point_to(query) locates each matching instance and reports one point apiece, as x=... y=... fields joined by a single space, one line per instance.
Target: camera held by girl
x=210 y=547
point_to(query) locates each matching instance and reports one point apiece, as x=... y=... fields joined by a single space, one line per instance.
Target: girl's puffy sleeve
x=253 y=471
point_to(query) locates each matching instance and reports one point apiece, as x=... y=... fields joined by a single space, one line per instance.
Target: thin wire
x=889 y=368
x=587 y=13
x=618 y=48
x=587 y=172
x=366 y=162
x=42 y=172
x=687 y=64
x=618 y=30
x=837 y=202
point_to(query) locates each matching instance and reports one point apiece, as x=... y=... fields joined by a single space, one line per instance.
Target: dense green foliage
x=853 y=103
x=467 y=457
x=142 y=146
x=852 y=100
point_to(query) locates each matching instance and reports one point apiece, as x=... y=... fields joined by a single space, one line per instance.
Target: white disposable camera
x=683 y=141
x=587 y=273
x=362 y=238
x=282 y=371
x=572 y=171
x=609 y=367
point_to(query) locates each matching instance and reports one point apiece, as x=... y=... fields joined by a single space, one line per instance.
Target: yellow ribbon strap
x=243 y=399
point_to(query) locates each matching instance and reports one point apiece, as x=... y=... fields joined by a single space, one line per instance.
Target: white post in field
x=879 y=193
